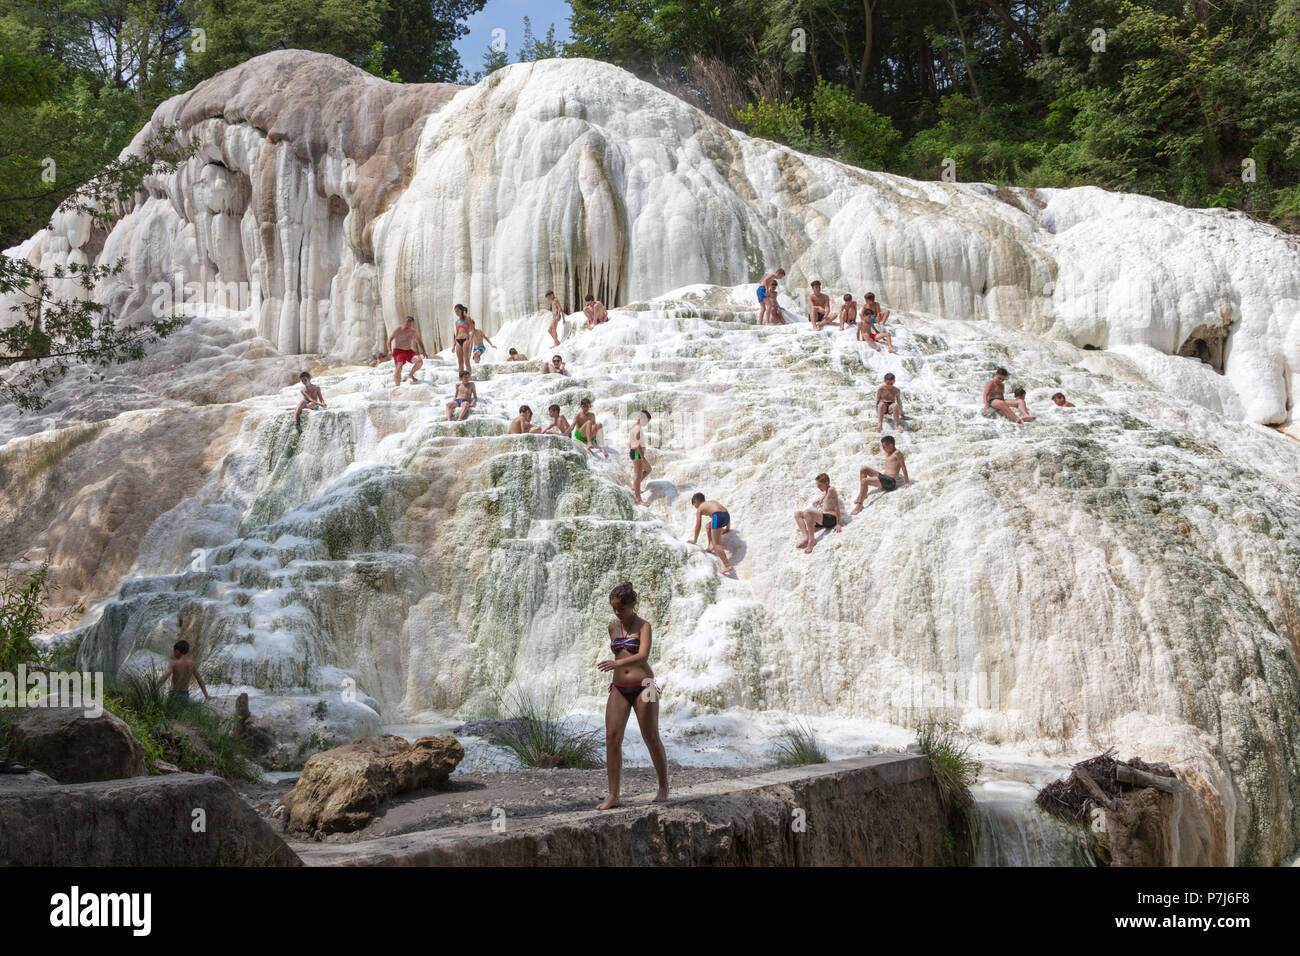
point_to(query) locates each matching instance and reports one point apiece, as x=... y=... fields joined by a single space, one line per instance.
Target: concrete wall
x=871 y=811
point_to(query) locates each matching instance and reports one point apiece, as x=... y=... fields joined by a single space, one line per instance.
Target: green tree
x=419 y=38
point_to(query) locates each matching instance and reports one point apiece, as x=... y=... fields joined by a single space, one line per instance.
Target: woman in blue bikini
x=464 y=329
x=632 y=688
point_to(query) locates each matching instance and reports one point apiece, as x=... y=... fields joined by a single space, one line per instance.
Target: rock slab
x=342 y=789
x=183 y=819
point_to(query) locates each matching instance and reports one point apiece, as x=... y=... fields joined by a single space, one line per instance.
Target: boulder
x=342 y=789
x=145 y=821
x=75 y=748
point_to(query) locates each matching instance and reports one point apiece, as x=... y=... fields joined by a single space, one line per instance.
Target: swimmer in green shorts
x=587 y=430
x=637 y=443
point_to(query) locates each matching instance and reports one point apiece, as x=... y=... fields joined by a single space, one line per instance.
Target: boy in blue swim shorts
x=719 y=524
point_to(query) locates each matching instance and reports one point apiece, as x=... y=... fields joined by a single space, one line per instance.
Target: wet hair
x=624 y=594
x=889 y=376
x=871 y=296
x=848 y=296
x=550 y=294
x=410 y=318
x=646 y=414
x=305 y=375
x=513 y=352
x=698 y=498
x=823 y=477
x=524 y=409
x=887 y=441
x=779 y=272
x=1019 y=393
x=584 y=402
x=1060 y=395
x=590 y=298
x=554 y=408
x=464 y=373
x=1001 y=371
x=816 y=282
x=182 y=647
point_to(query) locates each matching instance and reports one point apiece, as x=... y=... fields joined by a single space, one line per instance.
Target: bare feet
x=802 y=543
x=809 y=549
x=608 y=803
x=729 y=572
x=857 y=509
x=878 y=428
x=1029 y=418
x=661 y=796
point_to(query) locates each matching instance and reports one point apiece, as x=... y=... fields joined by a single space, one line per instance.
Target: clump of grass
x=63 y=445
x=538 y=735
x=167 y=728
x=954 y=768
x=797 y=746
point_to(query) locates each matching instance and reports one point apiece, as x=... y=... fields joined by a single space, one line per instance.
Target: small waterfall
x=1011 y=830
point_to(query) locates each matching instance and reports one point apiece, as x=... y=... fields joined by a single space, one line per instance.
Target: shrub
x=797 y=745
x=533 y=730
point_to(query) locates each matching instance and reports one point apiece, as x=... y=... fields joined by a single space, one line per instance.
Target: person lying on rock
x=523 y=424
x=719 y=524
x=476 y=339
x=849 y=313
x=819 y=306
x=559 y=424
x=889 y=401
x=636 y=442
x=312 y=398
x=466 y=397
x=995 y=396
x=595 y=312
x=881 y=315
x=824 y=513
x=557 y=316
x=554 y=367
x=887 y=479
x=632 y=687
x=1018 y=403
x=403 y=345
x=1059 y=400
x=181 y=671
x=589 y=431
x=514 y=355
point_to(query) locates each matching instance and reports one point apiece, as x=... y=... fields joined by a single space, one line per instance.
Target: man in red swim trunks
x=404 y=343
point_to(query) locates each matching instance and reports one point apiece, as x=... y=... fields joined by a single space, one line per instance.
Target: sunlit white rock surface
x=1119 y=573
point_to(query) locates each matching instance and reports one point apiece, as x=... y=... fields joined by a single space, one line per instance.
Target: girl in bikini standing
x=633 y=688
x=557 y=316
x=464 y=330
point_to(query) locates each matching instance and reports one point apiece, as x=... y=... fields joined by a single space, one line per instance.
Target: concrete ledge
x=140 y=821
x=880 y=810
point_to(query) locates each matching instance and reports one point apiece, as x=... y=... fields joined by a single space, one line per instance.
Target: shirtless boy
x=719 y=524
x=181 y=671
x=887 y=478
x=476 y=339
x=516 y=356
x=312 y=398
x=466 y=397
x=995 y=396
x=523 y=424
x=557 y=316
x=637 y=444
x=889 y=401
x=1019 y=404
x=874 y=332
x=559 y=424
x=555 y=366
x=824 y=513
x=405 y=345
x=819 y=306
x=768 y=310
x=849 y=313
x=1059 y=400
x=587 y=430
x=595 y=312
x=881 y=314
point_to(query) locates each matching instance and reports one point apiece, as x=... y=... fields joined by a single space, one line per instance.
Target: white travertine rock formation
x=1120 y=573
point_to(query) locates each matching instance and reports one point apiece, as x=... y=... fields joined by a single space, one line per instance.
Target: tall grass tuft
x=797 y=745
x=538 y=736
x=954 y=768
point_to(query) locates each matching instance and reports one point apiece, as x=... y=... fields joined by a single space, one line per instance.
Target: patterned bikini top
x=626 y=641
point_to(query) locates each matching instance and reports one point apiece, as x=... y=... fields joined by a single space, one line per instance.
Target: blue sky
x=509 y=16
